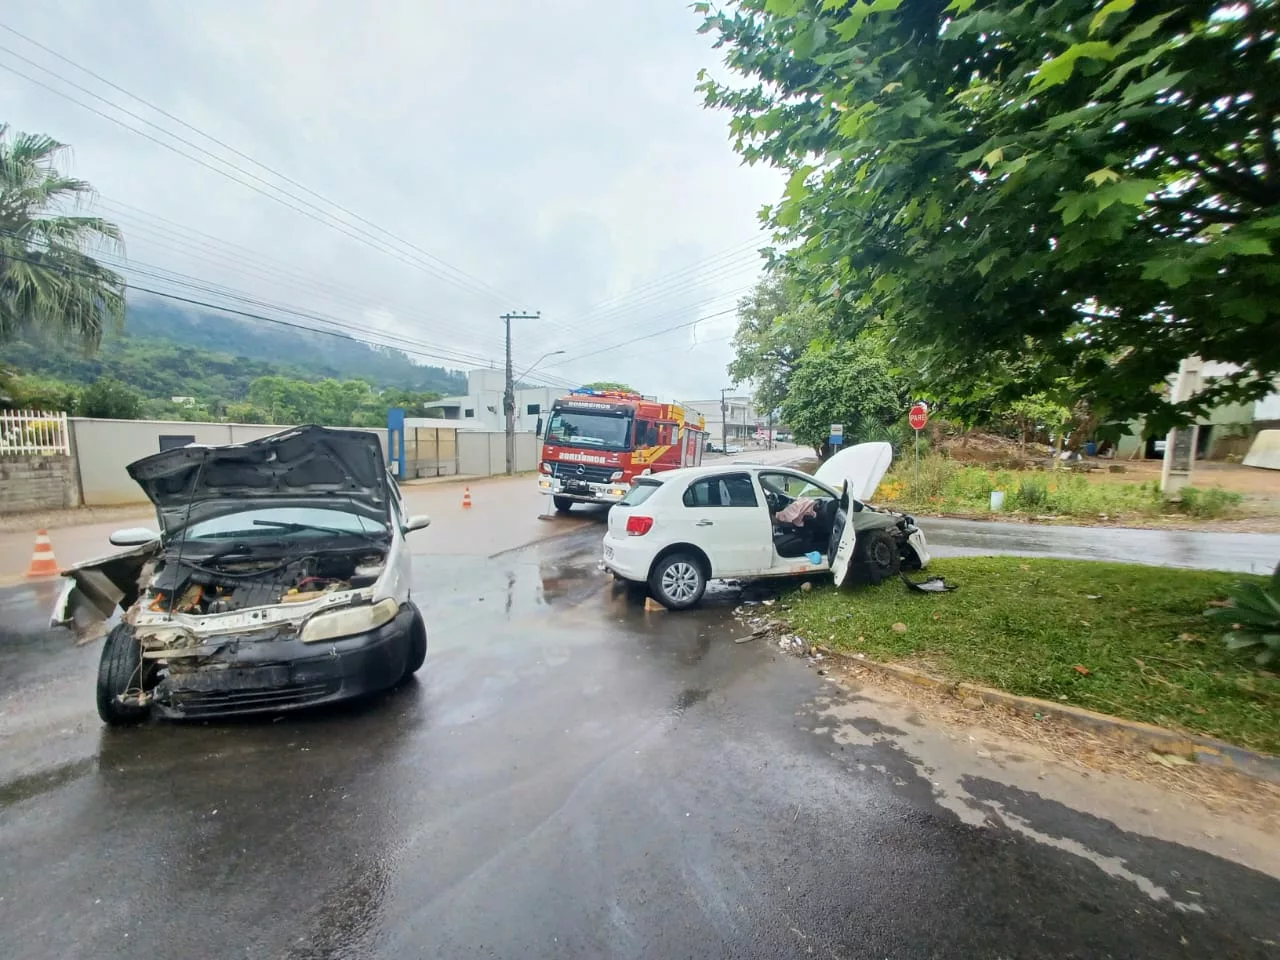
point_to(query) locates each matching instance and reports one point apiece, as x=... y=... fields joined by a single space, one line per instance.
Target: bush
x=1253 y=614
x=1210 y=503
x=936 y=474
x=1032 y=495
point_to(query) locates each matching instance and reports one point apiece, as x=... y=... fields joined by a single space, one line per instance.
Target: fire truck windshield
x=600 y=431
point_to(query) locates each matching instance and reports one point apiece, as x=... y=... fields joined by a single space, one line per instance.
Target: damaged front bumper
x=237 y=675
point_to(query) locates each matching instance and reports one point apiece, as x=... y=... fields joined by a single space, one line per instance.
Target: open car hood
x=304 y=466
x=863 y=466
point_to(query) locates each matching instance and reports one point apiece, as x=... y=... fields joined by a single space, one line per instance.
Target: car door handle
x=705 y=523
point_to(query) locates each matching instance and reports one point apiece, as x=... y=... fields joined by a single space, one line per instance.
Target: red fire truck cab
x=598 y=441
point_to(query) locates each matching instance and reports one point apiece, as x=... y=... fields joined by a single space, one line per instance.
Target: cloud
x=556 y=153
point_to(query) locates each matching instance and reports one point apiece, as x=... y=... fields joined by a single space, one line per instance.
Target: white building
x=481 y=408
x=739 y=421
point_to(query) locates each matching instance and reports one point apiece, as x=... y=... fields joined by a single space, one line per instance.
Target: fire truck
x=598 y=441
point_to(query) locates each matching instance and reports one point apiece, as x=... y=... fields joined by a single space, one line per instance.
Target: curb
x=1148 y=736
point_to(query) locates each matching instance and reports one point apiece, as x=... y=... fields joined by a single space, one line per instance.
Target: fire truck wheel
x=563 y=504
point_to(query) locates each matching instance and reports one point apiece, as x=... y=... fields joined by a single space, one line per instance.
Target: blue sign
x=836 y=439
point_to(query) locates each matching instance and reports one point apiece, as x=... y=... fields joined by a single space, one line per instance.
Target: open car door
x=843 y=540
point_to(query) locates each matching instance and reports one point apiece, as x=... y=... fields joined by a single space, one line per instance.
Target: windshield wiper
x=296 y=527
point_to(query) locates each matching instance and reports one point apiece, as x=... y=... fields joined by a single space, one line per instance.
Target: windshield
x=271 y=523
x=599 y=430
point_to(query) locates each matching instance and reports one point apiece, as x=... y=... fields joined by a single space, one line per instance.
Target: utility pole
x=724 y=421
x=509 y=395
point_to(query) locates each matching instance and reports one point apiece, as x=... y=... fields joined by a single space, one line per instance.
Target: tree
x=48 y=281
x=1089 y=188
x=610 y=385
x=110 y=399
x=774 y=328
x=847 y=383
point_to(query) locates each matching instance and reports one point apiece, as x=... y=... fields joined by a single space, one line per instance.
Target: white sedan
x=677 y=530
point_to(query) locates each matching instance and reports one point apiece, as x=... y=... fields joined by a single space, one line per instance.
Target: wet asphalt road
x=569 y=777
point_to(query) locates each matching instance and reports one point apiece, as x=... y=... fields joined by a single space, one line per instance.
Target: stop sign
x=918 y=416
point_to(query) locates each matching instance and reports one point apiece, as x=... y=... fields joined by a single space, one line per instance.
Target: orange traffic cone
x=466 y=498
x=42 y=562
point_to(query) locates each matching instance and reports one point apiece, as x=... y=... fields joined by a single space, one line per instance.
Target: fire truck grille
x=582 y=472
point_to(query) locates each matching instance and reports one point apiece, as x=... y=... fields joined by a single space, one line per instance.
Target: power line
x=315 y=212
x=647 y=336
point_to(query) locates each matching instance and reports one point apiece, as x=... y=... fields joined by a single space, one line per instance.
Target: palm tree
x=48 y=281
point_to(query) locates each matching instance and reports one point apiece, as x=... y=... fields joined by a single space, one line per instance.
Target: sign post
x=918 y=417
x=837 y=434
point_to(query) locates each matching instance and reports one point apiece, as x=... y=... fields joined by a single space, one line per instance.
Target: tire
x=120 y=669
x=417 y=644
x=563 y=504
x=876 y=556
x=678 y=581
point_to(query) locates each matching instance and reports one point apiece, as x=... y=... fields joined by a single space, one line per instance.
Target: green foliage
x=846 y=383
x=48 y=282
x=611 y=385
x=775 y=327
x=110 y=399
x=1253 y=614
x=1210 y=503
x=1024 y=625
x=944 y=486
x=1085 y=194
x=162 y=357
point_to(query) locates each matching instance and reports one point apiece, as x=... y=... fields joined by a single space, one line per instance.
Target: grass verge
x=945 y=486
x=1126 y=640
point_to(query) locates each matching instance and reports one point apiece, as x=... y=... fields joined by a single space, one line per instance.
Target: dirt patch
x=1221 y=790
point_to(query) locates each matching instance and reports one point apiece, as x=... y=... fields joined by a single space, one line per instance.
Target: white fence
x=26 y=432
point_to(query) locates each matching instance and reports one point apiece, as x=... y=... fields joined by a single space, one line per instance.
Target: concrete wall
x=485 y=454
x=33 y=482
x=103 y=448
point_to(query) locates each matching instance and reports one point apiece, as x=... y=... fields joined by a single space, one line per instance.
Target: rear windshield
x=641 y=492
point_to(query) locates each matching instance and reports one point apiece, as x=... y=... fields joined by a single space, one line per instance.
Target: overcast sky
x=556 y=153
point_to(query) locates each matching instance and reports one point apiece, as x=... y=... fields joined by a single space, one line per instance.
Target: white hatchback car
x=677 y=530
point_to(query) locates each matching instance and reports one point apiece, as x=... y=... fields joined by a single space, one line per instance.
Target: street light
x=553 y=353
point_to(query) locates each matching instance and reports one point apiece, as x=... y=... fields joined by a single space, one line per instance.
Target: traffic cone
x=466 y=498
x=42 y=562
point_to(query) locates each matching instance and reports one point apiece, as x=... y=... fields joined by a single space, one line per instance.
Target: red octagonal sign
x=918 y=416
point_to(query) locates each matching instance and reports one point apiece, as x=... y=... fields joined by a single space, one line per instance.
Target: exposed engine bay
x=223 y=585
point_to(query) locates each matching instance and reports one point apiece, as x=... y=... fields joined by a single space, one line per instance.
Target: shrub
x=1032 y=495
x=1206 y=504
x=1253 y=613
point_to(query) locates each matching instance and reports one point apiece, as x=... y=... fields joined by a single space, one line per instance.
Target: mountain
x=169 y=351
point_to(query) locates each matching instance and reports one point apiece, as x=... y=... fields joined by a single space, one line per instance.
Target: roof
x=706 y=470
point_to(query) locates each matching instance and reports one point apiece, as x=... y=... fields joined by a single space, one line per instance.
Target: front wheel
x=563 y=504
x=678 y=581
x=417 y=644
x=876 y=556
x=119 y=671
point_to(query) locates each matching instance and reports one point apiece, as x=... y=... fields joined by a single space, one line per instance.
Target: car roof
x=708 y=470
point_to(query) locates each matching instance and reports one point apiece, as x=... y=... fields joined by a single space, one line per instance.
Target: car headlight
x=348 y=621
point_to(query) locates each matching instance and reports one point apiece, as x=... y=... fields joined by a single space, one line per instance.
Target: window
x=642 y=491
x=728 y=490
x=792 y=486
x=468 y=412
x=600 y=431
x=646 y=433
x=533 y=409
x=265 y=522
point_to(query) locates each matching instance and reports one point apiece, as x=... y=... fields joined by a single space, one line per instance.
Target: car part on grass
x=932 y=585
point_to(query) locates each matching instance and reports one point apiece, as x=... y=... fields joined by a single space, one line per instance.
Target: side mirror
x=133 y=537
x=419 y=522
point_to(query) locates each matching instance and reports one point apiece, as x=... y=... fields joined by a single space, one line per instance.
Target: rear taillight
x=639 y=526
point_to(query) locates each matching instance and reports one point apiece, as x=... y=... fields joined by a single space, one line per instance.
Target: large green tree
x=775 y=326
x=848 y=383
x=1088 y=189
x=49 y=281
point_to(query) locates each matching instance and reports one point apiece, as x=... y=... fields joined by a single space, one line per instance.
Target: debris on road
x=932 y=585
